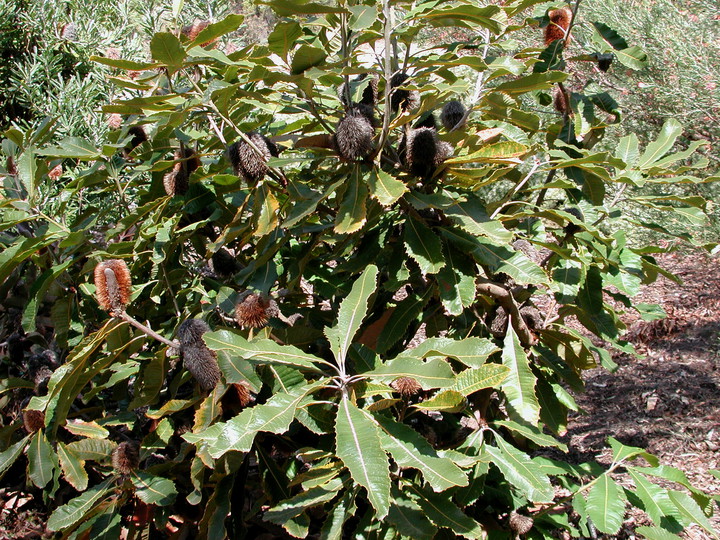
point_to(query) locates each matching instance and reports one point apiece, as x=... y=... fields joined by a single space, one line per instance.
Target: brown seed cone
x=533 y=317
x=223 y=263
x=33 y=420
x=138 y=137
x=425 y=151
x=452 y=113
x=202 y=364
x=559 y=24
x=191 y=31
x=354 y=135
x=560 y=101
x=10 y=166
x=407 y=100
x=126 y=458
x=245 y=160
x=407 y=386
x=244 y=396
x=427 y=121
x=520 y=524
x=112 y=284
x=255 y=310
x=191 y=331
x=176 y=183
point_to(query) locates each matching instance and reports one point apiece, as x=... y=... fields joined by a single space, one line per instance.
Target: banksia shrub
x=200 y=361
x=354 y=134
x=126 y=458
x=33 y=420
x=424 y=151
x=112 y=284
x=246 y=161
x=559 y=24
x=407 y=100
x=255 y=310
x=407 y=386
x=452 y=113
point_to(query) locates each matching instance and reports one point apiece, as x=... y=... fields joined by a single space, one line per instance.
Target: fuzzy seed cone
x=191 y=32
x=33 y=420
x=55 y=172
x=126 y=458
x=223 y=263
x=354 y=135
x=407 y=100
x=112 y=284
x=245 y=160
x=452 y=113
x=114 y=121
x=425 y=151
x=560 y=101
x=186 y=160
x=11 y=167
x=428 y=122
x=243 y=394
x=558 y=26
x=176 y=183
x=255 y=310
x=572 y=228
x=407 y=386
x=520 y=524
x=138 y=137
x=191 y=331
x=202 y=364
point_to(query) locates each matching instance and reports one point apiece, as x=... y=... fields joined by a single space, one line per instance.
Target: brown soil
x=668 y=401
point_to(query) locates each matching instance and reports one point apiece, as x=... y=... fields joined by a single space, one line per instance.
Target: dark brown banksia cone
x=354 y=134
x=246 y=162
x=112 y=284
x=138 y=137
x=177 y=181
x=33 y=420
x=407 y=386
x=255 y=310
x=520 y=524
x=559 y=24
x=200 y=361
x=424 y=151
x=407 y=100
x=126 y=458
x=452 y=113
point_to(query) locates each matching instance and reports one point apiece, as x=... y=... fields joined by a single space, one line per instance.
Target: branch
x=147 y=330
x=506 y=300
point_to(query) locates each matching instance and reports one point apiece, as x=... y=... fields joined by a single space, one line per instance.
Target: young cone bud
x=245 y=160
x=33 y=420
x=243 y=394
x=175 y=183
x=112 y=284
x=452 y=113
x=200 y=361
x=424 y=151
x=254 y=311
x=407 y=386
x=558 y=26
x=126 y=458
x=354 y=134
x=407 y=100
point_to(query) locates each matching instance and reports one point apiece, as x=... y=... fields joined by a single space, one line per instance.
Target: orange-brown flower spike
x=559 y=24
x=255 y=310
x=33 y=420
x=112 y=284
x=126 y=458
x=407 y=386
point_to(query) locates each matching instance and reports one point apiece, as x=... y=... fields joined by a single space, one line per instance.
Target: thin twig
x=147 y=330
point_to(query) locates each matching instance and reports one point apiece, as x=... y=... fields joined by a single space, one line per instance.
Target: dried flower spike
x=126 y=458
x=424 y=151
x=245 y=160
x=520 y=524
x=407 y=100
x=354 y=134
x=33 y=420
x=558 y=26
x=407 y=386
x=200 y=361
x=452 y=113
x=255 y=310
x=138 y=137
x=112 y=284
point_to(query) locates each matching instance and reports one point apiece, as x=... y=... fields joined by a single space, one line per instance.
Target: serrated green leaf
x=606 y=505
x=473 y=219
x=520 y=471
x=385 y=188
x=447 y=400
x=41 y=460
x=434 y=373
x=456 y=283
x=343 y=510
x=351 y=314
x=529 y=83
x=486 y=376
x=304 y=500
x=622 y=452
x=401 y=319
x=69 y=514
x=72 y=147
x=568 y=277
x=444 y=513
x=472 y=351
x=286 y=8
x=423 y=245
x=305 y=58
x=532 y=433
x=500 y=152
x=669 y=133
x=92 y=449
x=409 y=518
x=152 y=489
x=358 y=446
x=519 y=387
x=8 y=457
x=215 y=30
x=691 y=512
x=283 y=37
x=656 y=533
x=167 y=49
x=91 y=430
x=657 y=503
x=462 y=14
x=410 y=450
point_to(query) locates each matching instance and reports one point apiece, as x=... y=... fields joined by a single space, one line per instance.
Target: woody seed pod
x=245 y=160
x=407 y=386
x=354 y=134
x=255 y=310
x=126 y=458
x=520 y=524
x=176 y=182
x=33 y=420
x=407 y=100
x=558 y=26
x=200 y=361
x=425 y=151
x=452 y=113
x=112 y=284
